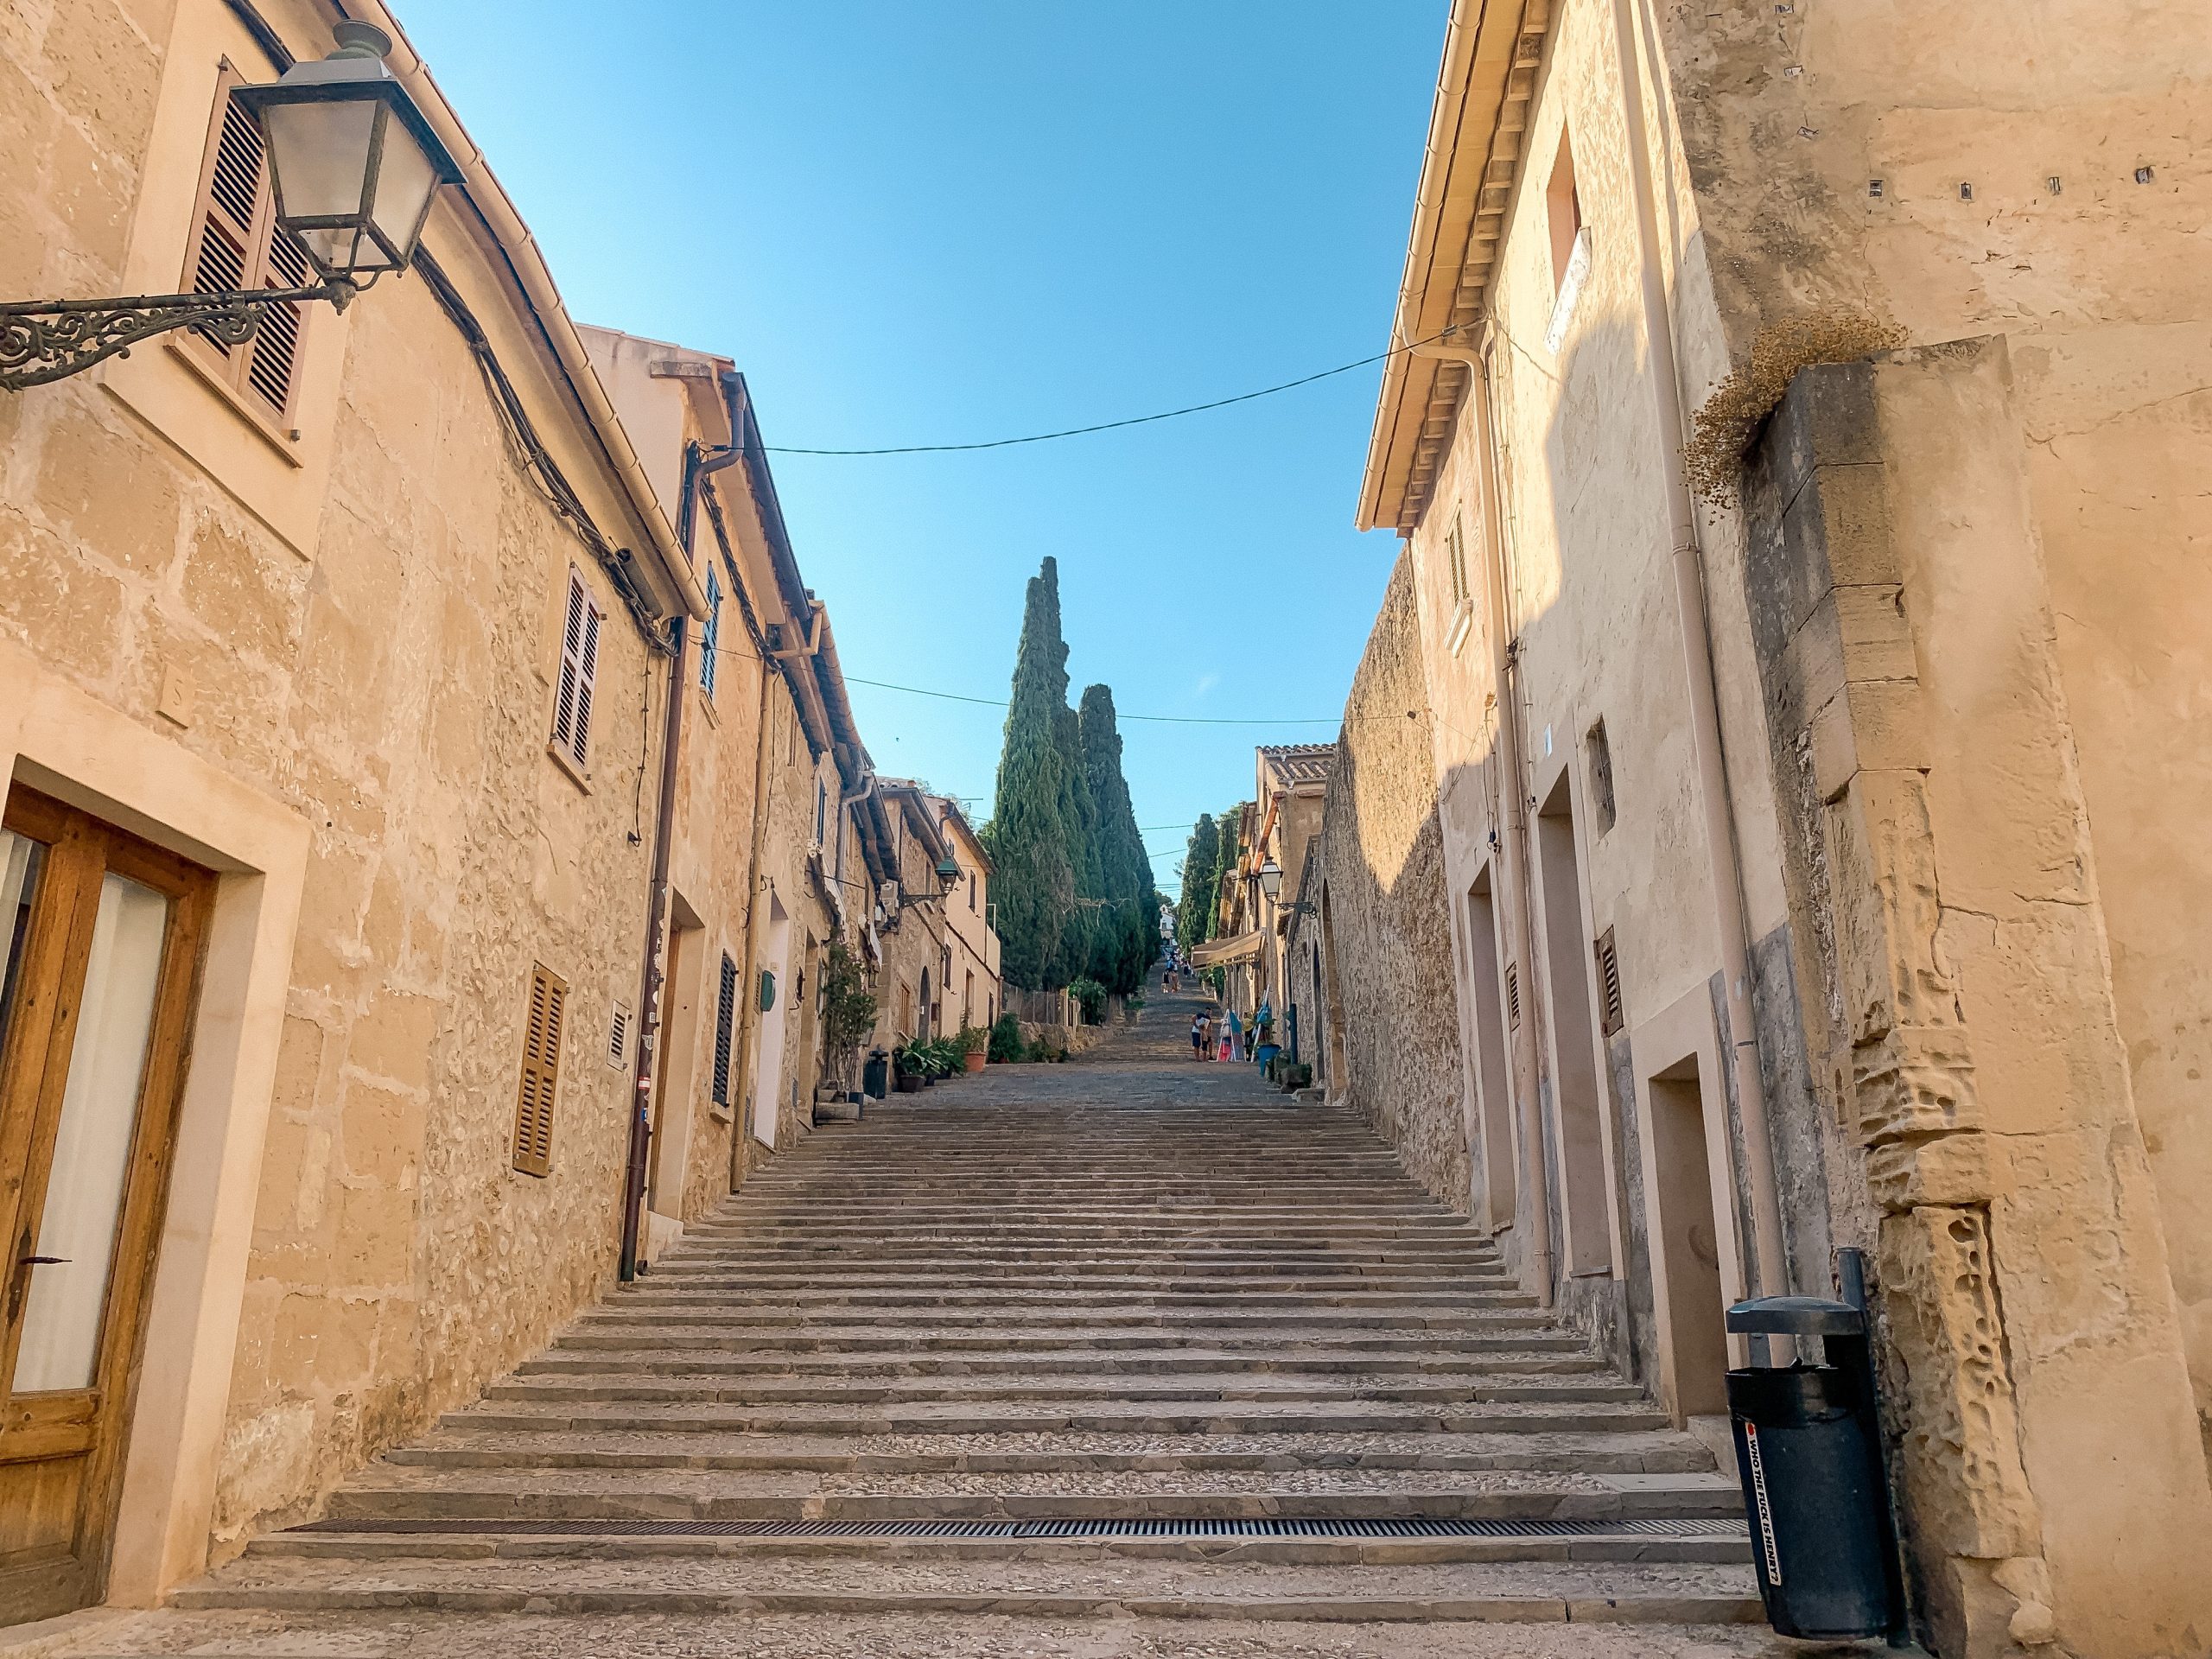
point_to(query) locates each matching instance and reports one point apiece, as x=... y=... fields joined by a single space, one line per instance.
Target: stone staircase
x=1066 y=1343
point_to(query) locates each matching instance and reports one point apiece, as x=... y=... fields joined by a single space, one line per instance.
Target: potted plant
x=908 y=1063
x=1007 y=1043
x=848 y=1011
x=974 y=1044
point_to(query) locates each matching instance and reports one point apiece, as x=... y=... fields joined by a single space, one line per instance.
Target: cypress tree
x=1201 y=861
x=1127 y=938
x=1034 y=827
x=1086 y=922
x=1230 y=827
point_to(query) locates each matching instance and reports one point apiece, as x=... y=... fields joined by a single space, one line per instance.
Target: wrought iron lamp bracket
x=41 y=340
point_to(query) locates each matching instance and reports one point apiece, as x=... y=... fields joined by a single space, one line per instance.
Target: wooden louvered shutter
x=579 y=669
x=1609 y=985
x=541 y=1070
x=236 y=244
x=725 y=1030
x=588 y=674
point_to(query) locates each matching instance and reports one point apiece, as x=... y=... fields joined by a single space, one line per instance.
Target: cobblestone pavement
x=1126 y=1357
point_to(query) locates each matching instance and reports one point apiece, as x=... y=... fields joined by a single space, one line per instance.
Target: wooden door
x=100 y=934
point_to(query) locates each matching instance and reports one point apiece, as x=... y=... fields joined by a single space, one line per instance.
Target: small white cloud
x=1207 y=682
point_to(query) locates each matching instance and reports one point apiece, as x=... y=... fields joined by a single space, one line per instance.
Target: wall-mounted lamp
x=356 y=167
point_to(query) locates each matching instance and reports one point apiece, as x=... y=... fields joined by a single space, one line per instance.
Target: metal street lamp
x=1271 y=881
x=356 y=166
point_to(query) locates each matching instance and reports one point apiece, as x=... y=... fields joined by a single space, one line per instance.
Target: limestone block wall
x=379 y=660
x=1953 y=175
x=1958 y=991
x=1388 y=922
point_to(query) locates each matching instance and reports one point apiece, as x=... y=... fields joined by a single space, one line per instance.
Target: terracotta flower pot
x=976 y=1059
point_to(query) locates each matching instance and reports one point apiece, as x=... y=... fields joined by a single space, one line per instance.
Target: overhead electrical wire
x=1167 y=720
x=1110 y=426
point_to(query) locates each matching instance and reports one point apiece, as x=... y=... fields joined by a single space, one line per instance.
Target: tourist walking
x=1199 y=1035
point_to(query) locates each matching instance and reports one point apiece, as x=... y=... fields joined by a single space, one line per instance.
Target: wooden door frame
x=66 y=743
x=83 y=851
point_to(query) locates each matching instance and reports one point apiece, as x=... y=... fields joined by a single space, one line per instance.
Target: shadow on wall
x=1389 y=926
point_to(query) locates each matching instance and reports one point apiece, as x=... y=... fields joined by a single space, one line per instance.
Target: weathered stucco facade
x=322 y=635
x=1818 y=851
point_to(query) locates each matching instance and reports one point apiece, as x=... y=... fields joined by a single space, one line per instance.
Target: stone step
x=859 y=1392
x=1520 y=1591
x=476 y=1445
x=1195 y=1277
x=672 y=1361
x=1008 y=1337
x=688 y=1416
x=1619 y=1546
x=386 y=1492
x=834 y=1320
x=837 y=1294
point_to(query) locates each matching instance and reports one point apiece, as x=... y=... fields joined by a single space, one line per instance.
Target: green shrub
x=1005 y=1039
x=1089 y=998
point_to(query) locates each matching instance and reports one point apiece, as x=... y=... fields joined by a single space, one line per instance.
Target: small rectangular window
x=725 y=1029
x=1601 y=778
x=1455 y=543
x=618 y=1036
x=1609 y=986
x=711 y=635
x=579 y=671
x=236 y=244
x=541 y=1071
x=1513 y=995
x=820 y=809
x=1563 y=205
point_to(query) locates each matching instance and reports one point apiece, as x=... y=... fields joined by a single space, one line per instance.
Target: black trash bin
x=1808 y=1450
x=875 y=1075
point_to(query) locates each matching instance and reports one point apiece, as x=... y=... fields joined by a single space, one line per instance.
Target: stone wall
x=360 y=620
x=1958 y=992
x=1389 y=926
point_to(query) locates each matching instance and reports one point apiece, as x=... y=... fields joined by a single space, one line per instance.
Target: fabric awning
x=1222 y=953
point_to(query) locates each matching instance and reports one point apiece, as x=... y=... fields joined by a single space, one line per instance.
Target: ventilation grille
x=1266 y=1527
x=1609 y=984
x=1513 y=993
x=617 y=1037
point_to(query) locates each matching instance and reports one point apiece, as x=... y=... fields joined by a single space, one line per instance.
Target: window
x=725 y=1030
x=820 y=809
x=1612 y=1015
x=235 y=244
x=1455 y=547
x=1563 y=204
x=711 y=635
x=1601 y=778
x=974 y=882
x=579 y=669
x=541 y=1070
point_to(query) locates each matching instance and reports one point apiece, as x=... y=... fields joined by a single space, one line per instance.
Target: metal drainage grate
x=1262 y=1527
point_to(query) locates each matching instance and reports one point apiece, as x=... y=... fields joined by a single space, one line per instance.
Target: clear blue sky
x=917 y=221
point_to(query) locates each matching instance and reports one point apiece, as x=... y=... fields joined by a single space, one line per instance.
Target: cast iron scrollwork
x=49 y=339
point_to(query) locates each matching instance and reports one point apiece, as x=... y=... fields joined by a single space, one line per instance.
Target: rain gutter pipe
x=698 y=463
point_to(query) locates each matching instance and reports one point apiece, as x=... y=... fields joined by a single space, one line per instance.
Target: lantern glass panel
x=404 y=185
x=319 y=148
